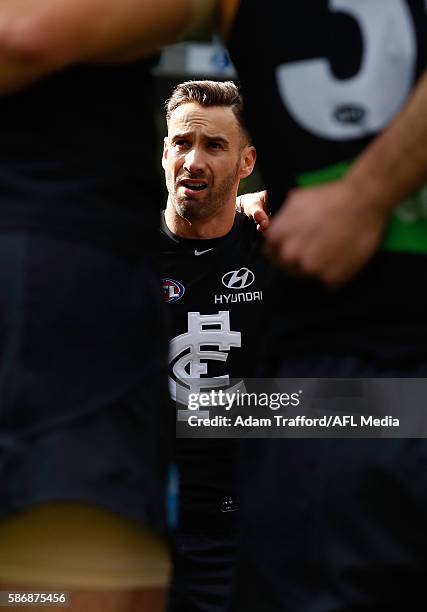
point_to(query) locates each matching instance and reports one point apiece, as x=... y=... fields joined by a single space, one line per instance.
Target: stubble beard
x=199 y=209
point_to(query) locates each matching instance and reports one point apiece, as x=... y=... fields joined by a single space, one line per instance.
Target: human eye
x=181 y=143
x=214 y=145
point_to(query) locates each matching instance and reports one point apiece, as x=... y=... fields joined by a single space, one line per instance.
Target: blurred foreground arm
x=40 y=36
x=330 y=232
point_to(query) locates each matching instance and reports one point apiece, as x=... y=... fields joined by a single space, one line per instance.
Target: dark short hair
x=206 y=94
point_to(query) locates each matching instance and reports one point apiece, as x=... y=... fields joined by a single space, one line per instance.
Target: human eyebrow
x=219 y=139
x=180 y=136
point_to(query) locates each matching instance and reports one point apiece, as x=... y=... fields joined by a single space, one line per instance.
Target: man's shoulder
x=247 y=232
x=168 y=240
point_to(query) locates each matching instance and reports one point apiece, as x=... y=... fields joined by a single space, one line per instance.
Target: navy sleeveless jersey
x=321 y=79
x=215 y=292
x=76 y=156
x=78 y=195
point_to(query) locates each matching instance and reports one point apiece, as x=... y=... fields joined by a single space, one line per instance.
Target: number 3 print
x=341 y=109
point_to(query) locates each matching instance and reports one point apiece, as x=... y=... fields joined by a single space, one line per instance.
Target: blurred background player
x=83 y=426
x=213 y=277
x=344 y=516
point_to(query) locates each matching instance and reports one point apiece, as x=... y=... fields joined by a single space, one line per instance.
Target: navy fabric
x=337 y=524
x=76 y=156
x=381 y=311
x=205 y=537
x=83 y=407
x=83 y=340
x=204 y=554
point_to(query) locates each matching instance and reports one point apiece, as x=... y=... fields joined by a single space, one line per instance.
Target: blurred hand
x=326 y=232
x=254 y=206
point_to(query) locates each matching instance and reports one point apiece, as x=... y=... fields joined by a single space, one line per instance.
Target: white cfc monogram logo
x=186 y=353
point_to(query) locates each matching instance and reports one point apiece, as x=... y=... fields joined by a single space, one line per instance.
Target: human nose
x=194 y=161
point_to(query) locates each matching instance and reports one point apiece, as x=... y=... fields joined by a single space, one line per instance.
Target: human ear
x=247 y=162
x=165 y=151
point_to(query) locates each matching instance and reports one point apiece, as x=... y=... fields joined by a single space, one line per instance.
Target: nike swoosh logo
x=196 y=252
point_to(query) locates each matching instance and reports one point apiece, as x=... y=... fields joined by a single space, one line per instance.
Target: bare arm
x=331 y=231
x=395 y=164
x=41 y=36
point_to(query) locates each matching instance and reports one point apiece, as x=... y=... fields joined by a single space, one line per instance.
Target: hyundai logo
x=238 y=279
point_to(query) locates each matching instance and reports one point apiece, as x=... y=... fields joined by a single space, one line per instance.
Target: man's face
x=203 y=159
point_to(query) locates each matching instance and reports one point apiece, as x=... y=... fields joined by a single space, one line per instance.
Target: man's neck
x=199 y=229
